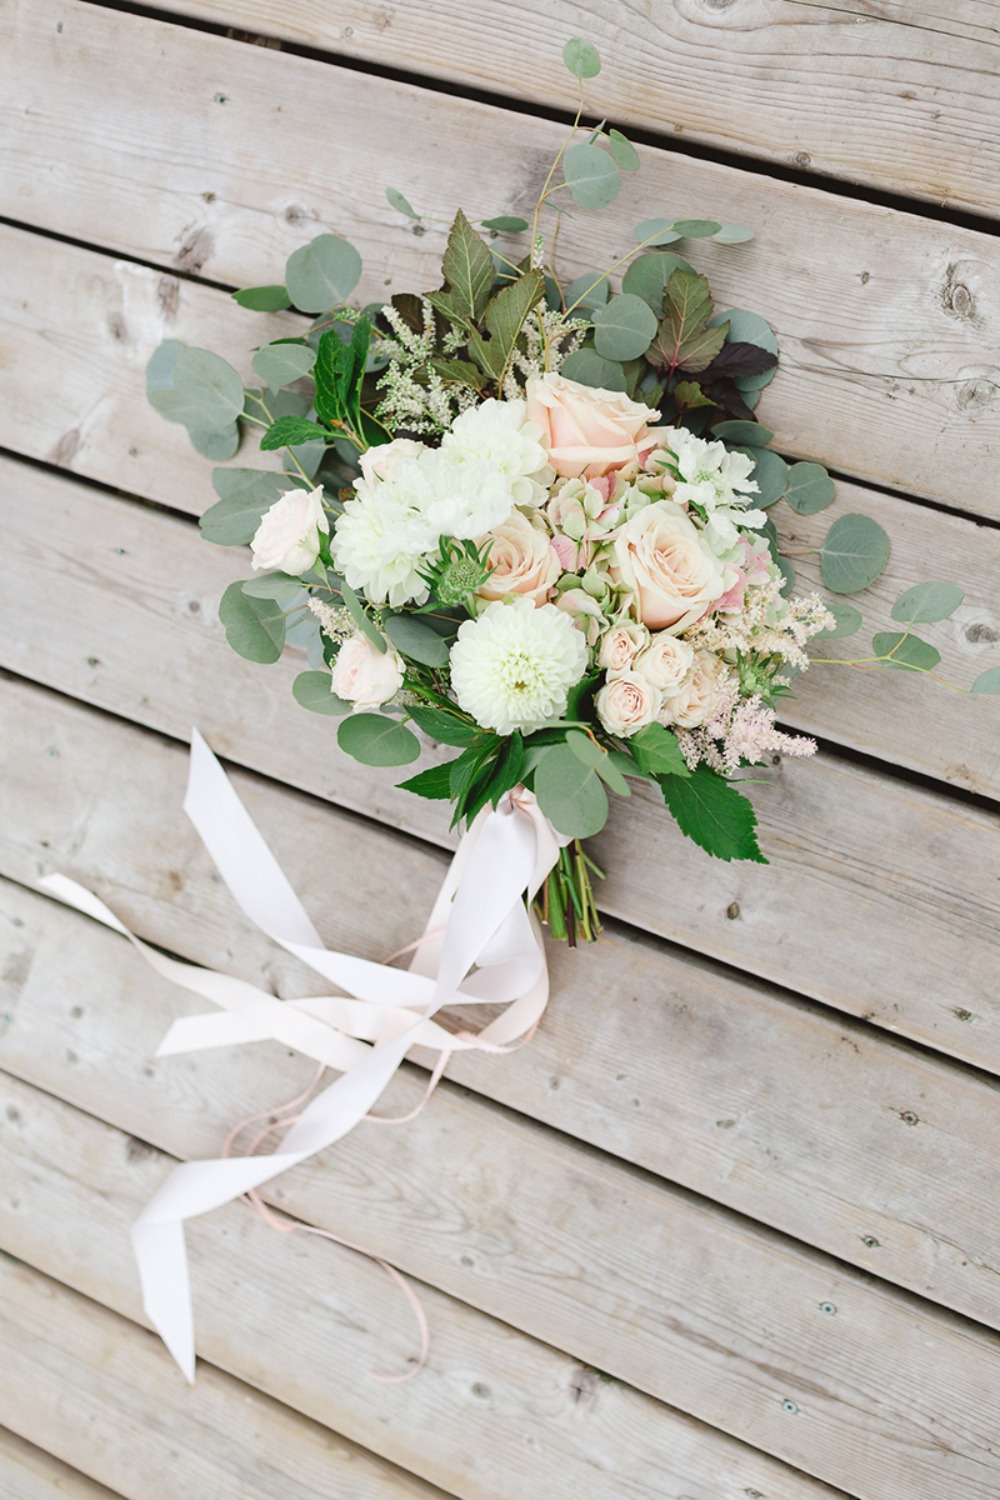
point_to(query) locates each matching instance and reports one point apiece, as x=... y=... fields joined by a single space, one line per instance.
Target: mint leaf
x=714 y=814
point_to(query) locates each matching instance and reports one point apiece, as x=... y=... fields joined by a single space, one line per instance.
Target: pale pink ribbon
x=481 y=946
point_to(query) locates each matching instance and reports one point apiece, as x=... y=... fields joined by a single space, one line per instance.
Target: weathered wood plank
x=908 y=873
x=888 y=322
x=31 y=1474
x=88 y=1385
x=493 y=1416
x=896 y=96
x=758 y=1103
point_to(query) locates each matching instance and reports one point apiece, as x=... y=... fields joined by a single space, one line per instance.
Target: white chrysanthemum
x=459 y=497
x=379 y=546
x=500 y=434
x=513 y=667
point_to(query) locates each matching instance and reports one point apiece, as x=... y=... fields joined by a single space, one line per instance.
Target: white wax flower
x=513 y=667
x=500 y=434
x=288 y=536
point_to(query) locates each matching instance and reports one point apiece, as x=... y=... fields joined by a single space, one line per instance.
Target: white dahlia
x=500 y=434
x=513 y=667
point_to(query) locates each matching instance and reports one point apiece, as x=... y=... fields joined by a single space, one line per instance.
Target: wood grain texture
x=891 y=1398
x=94 y=1389
x=888 y=321
x=494 y=1415
x=29 y=1473
x=847 y=1141
x=897 y=95
x=908 y=874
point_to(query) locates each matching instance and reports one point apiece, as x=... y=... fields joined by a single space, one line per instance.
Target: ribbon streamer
x=481 y=946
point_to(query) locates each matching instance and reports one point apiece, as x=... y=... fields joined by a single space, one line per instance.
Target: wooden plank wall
x=729 y=1227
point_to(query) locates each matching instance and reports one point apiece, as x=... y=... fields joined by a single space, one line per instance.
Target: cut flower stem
x=566 y=904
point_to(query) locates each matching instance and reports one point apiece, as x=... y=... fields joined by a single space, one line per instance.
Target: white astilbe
x=549 y=340
x=334 y=621
x=741 y=731
x=415 y=397
x=766 y=625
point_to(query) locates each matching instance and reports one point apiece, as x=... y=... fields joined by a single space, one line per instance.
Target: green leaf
x=849 y=621
x=263 y=298
x=587 y=292
x=657 y=752
x=570 y=793
x=770 y=473
x=468 y=269
x=447 y=728
x=926 y=602
x=587 y=367
x=361 y=617
x=280 y=364
x=623 y=151
x=591 y=176
x=195 y=387
x=810 y=489
x=505 y=224
x=313 y=691
x=245 y=494
x=988 y=681
x=376 y=740
x=581 y=58
x=688 y=396
x=714 y=814
x=416 y=639
x=732 y=234
x=787 y=570
x=591 y=754
x=655 y=232
x=218 y=444
x=434 y=783
x=909 y=652
x=397 y=201
x=508 y=767
x=743 y=434
x=505 y=317
x=322 y=274
x=683 y=338
x=255 y=628
x=336 y=375
x=624 y=328
x=697 y=229
x=854 y=554
x=648 y=275
x=273 y=586
x=459 y=372
x=286 y=432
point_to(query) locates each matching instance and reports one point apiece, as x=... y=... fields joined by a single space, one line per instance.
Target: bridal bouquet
x=531 y=519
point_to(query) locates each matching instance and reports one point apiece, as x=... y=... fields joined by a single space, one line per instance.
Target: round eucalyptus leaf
x=417 y=639
x=743 y=434
x=204 y=391
x=748 y=328
x=280 y=364
x=588 y=291
x=160 y=369
x=988 y=681
x=623 y=151
x=590 y=368
x=732 y=234
x=810 y=489
x=787 y=570
x=219 y=444
x=591 y=176
x=263 y=298
x=255 y=628
x=926 y=602
x=648 y=275
x=909 y=652
x=570 y=793
x=854 y=554
x=770 y=474
x=624 y=328
x=848 y=621
x=505 y=224
x=322 y=274
x=582 y=58
x=244 y=496
x=396 y=200
x=655 y=232
x=697 y=229
x=376 y=740
x=313 y=691
x=282 y=586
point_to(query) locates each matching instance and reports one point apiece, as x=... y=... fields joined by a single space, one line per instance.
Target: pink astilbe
x=740 y=731
x=766 y=625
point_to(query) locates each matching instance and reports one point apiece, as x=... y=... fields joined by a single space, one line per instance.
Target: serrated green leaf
x=588 y=368
x=908 y=652
x=593 y=179
x=263 y=298
x=290 y=431
x=336 y=375
x=683 y=338
x=853 y=555
x=322 y=274
x=434 y=783
x=417 y=639
x=459 y=372
x=312 y=690
x=570 y=793
x=657 y=752
x=623 y=151
x=743 y=434
x=688 y=396
x=848 y=621
x=377 y=740
x=505 y=224
x=396 y=200
x=505 y=316
x=925 y=603
x=280 y=364
x=714 y=815
x=582 y=58
x=445 y=727
x=624 y=328
x=255 y=628
x=468 y=269
x=655 y=232
x=988 y=681
x=810 y=489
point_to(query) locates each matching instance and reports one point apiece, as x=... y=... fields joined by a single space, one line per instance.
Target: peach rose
x=288 y=537
x=364 y=675
x=699 y=695
x=588 y=431
x=620 y=645
x=664 y=559
x=627 y=703
x=665 y=662
x=521 y=560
